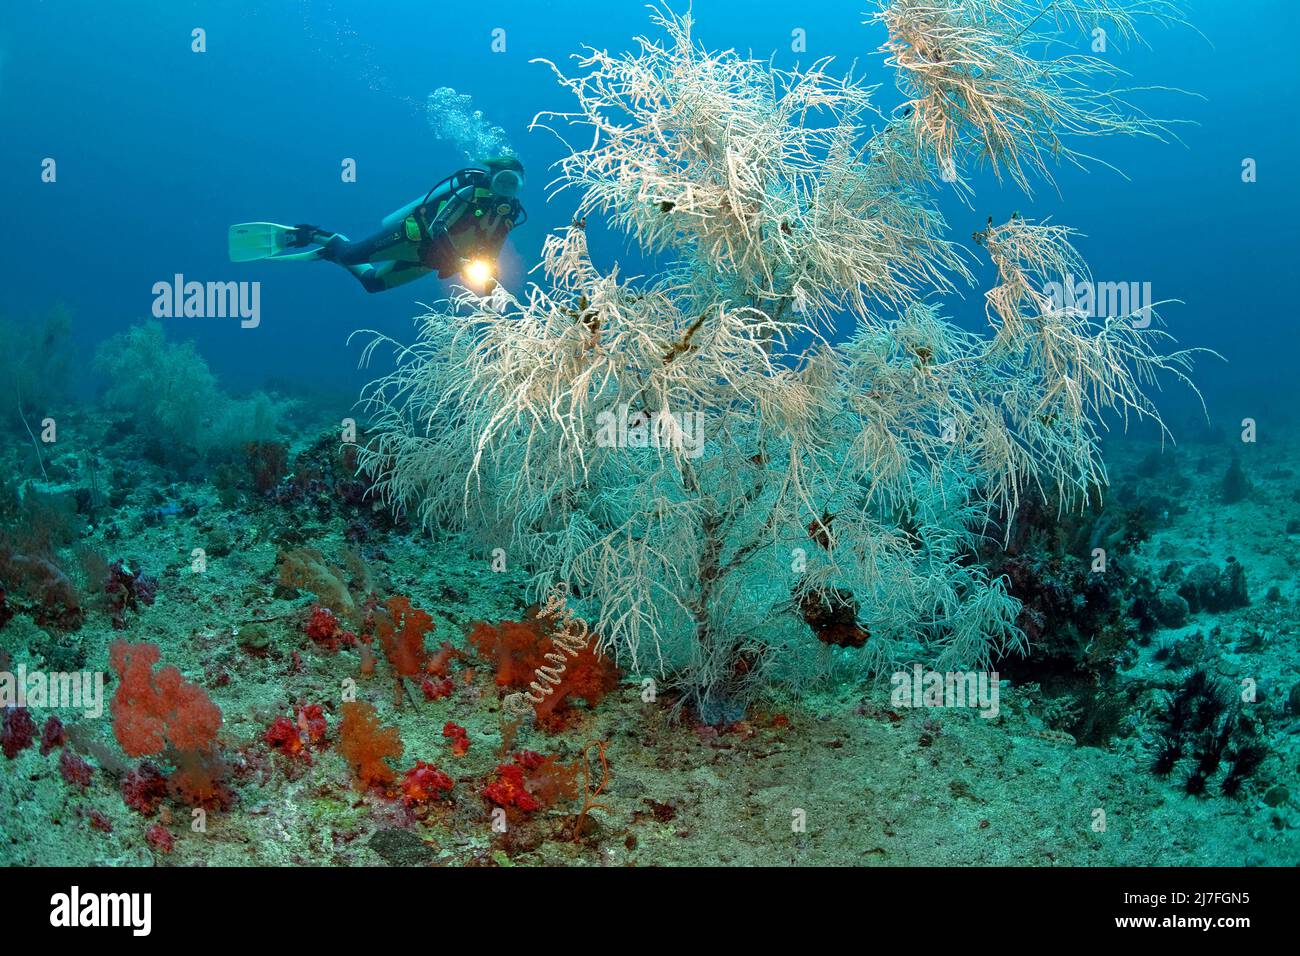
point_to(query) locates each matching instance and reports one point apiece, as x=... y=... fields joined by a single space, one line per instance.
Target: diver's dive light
x=477 y=272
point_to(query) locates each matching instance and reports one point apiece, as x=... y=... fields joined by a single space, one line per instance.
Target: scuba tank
x=394 y=219
x=451 y=184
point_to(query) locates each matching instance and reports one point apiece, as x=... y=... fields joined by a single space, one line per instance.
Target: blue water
x=159 y=149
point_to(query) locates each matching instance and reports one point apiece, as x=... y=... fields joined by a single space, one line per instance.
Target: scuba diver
x=459 y=225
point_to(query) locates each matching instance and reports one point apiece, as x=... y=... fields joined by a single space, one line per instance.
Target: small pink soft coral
x=157 y=712
x=151 y=710
x=17 y=731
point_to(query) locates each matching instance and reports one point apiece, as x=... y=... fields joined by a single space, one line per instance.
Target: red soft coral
x=547 y=778
x=365 y=744
x=160 y=838
x=326 y=631
x=17 y=732
x=151 y=710
x=529 y=759
x=424 y=782
x=294 y=737
x=144 y=789
x=52 y=736
x=74 y=770
x=533 y=781
x=437 y=689
x=283 y=735
x=458 y=737
x=311 y=721
x=510 y=790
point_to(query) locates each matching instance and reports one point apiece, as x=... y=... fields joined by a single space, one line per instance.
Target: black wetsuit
x=458 y=220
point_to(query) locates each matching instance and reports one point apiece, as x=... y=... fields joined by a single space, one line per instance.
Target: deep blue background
x=160 y=149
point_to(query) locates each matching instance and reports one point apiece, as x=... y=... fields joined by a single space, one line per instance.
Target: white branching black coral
x=759 y=172
x=666 y=444
x=983 y=77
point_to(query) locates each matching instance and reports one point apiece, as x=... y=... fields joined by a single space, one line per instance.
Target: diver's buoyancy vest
x=436 y=197
x=493 y=217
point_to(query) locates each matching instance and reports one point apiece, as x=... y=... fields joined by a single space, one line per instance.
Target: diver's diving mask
x=507 y=183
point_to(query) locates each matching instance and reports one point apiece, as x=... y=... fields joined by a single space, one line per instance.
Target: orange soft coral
x=438 y=664
x=365 y=743
x=548 y=779
x=518 y=649
x=401 y=634
x=588 y=677
x=515 y=648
